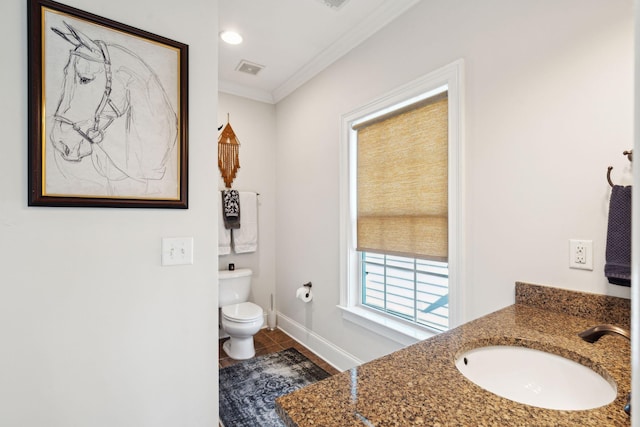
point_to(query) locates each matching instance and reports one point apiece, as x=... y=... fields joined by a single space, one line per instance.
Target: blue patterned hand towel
x=618 y=255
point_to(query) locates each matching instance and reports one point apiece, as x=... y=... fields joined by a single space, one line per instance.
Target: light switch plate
x=177 y=250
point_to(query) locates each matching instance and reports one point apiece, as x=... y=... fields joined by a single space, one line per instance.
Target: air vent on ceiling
x=334 y=4
x=249 y=67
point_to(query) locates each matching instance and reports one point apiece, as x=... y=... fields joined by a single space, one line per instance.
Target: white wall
x=95 y=332
x=254 y=124
x=548 y=108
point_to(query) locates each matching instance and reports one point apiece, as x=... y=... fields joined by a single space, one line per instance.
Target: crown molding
x=375 y=22
x=245 y=91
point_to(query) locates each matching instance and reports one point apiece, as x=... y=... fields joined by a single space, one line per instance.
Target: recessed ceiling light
x=231 y=37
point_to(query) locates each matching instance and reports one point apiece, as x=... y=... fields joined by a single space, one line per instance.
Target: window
x=411 y=289
x=401 y=197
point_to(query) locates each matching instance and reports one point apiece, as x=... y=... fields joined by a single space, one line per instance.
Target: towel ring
x=629 y=154
x=609 y=176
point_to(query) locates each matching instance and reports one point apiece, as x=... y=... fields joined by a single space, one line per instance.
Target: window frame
x=450 y=78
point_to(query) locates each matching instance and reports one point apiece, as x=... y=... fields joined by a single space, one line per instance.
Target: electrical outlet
x=581 y=254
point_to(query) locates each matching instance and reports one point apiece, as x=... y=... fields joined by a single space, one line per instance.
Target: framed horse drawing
x=107 y=112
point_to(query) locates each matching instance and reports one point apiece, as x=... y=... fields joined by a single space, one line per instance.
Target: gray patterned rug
x=248 y=389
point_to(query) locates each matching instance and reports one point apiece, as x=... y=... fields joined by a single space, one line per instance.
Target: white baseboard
x=333 y=355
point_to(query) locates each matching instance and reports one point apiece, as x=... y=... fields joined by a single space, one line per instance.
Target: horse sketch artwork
x=112 y=123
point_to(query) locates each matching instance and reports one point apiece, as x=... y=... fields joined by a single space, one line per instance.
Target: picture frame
x=107 y=112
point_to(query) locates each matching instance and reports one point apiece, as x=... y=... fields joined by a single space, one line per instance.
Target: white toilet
x=241 y=319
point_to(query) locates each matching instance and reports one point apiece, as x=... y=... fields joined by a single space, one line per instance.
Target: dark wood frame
x=36 y=119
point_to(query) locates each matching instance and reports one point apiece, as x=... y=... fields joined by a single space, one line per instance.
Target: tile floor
x=267 y=341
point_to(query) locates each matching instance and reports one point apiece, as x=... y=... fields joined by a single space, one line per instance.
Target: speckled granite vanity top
x=420 y=385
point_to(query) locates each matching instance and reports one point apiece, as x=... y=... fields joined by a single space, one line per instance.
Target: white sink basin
x=536 y=378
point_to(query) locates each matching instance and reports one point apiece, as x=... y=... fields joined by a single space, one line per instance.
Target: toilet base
x=222 y=334
x=239 y=348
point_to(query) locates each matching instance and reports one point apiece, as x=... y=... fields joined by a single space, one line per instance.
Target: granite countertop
x=420 y=385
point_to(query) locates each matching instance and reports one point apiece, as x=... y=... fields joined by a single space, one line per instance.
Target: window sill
x=394 y=330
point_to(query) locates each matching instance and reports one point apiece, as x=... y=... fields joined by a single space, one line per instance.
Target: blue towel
x=618 y=255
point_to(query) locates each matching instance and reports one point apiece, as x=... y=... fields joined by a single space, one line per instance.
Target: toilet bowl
x=241 y=321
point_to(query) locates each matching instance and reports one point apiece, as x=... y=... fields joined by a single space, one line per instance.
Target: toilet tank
x=233 y=286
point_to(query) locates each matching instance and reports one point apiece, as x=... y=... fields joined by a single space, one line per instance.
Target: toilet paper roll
x=304 y=294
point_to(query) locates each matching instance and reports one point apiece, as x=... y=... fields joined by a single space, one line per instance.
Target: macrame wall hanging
x=228 y=150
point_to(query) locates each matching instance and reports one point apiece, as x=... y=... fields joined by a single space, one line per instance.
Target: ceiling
x=293 y=40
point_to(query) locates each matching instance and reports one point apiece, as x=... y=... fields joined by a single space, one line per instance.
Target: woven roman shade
x=402 y=182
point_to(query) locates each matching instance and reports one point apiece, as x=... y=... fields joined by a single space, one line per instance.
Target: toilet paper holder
x=307 y=285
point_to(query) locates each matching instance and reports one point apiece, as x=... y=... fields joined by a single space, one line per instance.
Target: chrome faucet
x=593 y=334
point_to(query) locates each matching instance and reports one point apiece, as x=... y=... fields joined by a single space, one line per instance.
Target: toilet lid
x=243 y=312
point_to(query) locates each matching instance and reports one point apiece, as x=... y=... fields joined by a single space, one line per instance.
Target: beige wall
x=255 y=126
x=548 y=107
x=95 y=332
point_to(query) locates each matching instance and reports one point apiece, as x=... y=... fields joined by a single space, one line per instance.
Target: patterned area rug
x=248 y=390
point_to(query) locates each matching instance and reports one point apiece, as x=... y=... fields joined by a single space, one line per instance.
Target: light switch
x=177 y=250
